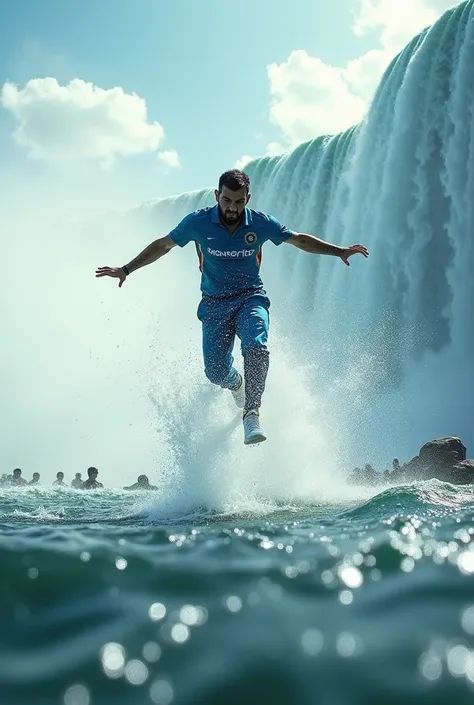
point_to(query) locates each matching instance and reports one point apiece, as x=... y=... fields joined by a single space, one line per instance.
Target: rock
x=366 y=476
x=463 y=473
x=437 y=459
x=442 y=459
x=443 y=451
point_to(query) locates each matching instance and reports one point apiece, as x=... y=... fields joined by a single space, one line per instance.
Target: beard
x=229 y=217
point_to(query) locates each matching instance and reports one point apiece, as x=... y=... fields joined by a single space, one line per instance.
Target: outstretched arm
x=312 y=244
x=150 y=254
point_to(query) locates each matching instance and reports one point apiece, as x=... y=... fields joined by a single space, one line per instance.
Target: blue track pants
x=248 y=319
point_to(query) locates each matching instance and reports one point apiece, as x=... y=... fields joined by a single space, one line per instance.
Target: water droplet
x=351 y=576
x=430 y=665
x=457 y=659
x=161 y=693
x=157 y=611
x=77 y=695
x=407 y=564
x=120 y=563
x=180 y=633
x=113 y=659
x=151 y=652
x=233 y=603
x=346 y=597
x=136 y=672
x=467 y=620
x=327 y=577
x=466 y=562
x=346 y=645
x=189 y=615
x=312 y=642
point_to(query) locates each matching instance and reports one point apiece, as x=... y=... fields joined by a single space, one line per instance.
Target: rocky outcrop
x=442 y=458
x=463 y=473
x=436 y=459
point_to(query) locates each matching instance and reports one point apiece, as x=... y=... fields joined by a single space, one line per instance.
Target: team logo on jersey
x=250 y=238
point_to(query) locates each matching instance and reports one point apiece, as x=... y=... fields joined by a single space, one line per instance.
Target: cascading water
x=386 y=346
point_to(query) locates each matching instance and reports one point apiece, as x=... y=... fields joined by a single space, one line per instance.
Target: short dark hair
x=91 y=470
x=234 y=179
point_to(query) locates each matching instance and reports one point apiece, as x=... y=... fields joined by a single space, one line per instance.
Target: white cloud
x=170 y=158
x=79 y=120
x=243 y=161
x=274 y=149
x=398 y=22
x=309 y=97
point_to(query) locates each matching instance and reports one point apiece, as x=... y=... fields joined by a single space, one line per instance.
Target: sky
x=126 y=101
x=106 y=105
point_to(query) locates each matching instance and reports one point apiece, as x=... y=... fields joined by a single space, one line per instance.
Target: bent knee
x=255 y=349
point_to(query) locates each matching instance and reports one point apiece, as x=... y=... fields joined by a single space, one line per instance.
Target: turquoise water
x=108 y=598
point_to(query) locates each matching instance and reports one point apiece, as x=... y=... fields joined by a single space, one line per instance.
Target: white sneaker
x=252 y=431
x=239 y=394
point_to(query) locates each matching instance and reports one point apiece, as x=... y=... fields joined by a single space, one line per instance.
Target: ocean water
x=110 y=598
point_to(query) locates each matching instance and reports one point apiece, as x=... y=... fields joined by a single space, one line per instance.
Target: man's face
x=232 y=204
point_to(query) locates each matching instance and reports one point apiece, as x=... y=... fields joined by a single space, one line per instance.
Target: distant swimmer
x=229 y=239
x=59 y=481
x=77 y=483
x=35 y=480
x=91 y=482
x=142 y=483
x=17 y=480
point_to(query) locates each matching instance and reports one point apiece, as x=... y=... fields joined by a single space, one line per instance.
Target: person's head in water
x=143 y=480
x=232 y=195
x=92 y=473
x=78 y=476
x=16 y=473
x=59 y=476
x=36 y=477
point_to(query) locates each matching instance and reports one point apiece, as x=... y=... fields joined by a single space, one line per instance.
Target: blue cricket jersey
x=229 y=262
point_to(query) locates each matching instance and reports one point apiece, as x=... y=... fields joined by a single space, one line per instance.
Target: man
x=228 y=240
x=35 y=480
x=77 y=483
x=91 y=483
x=59 y=481
x=142 y=483
x=17 y=479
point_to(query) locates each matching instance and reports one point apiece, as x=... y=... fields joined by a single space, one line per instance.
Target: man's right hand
x=115 y=272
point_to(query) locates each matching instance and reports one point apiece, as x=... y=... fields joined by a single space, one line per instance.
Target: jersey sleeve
x=276 y=232
x=184 y=231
